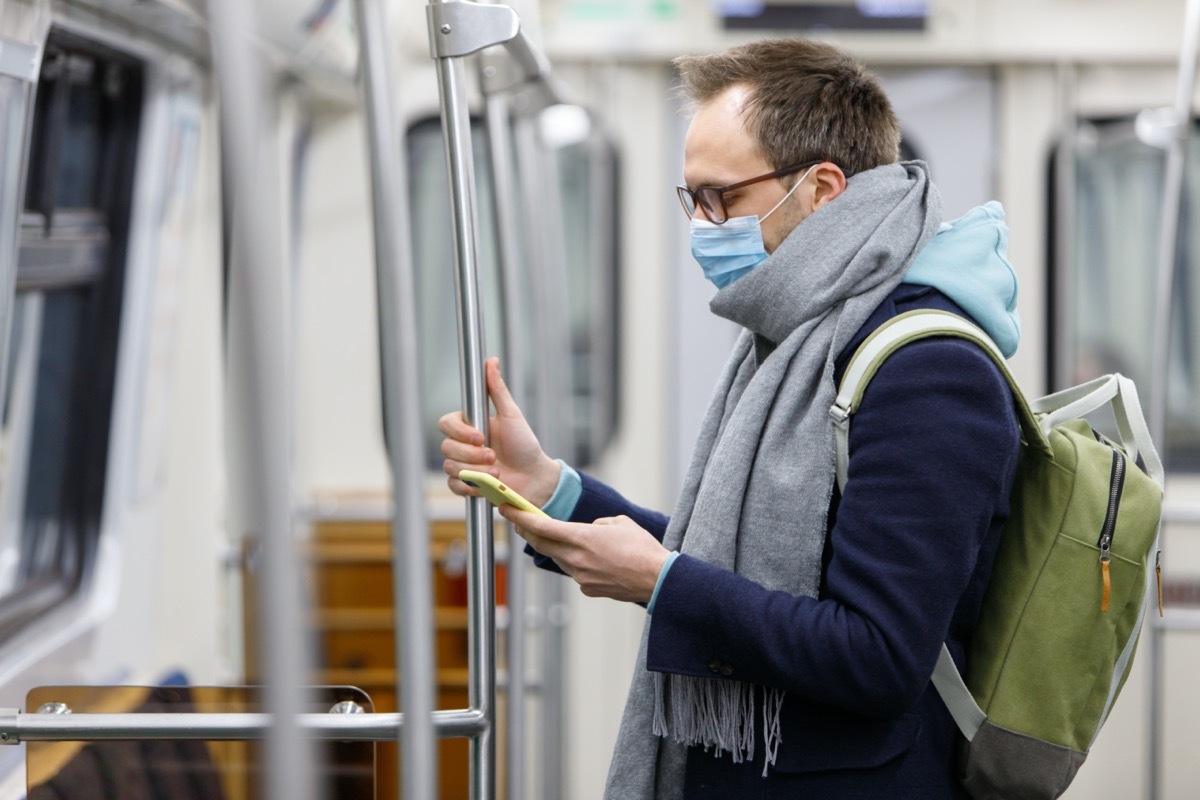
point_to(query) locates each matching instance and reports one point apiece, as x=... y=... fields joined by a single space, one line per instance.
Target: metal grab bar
x=553 y=363
x=1177 y=619
x=504 y=185
x=517 y=90
x=1167 y=259
x=17 y=727
x=511 y=101
x=259 y=384
x=413 y=597
x=1173 y=181
x=458 y=29
x=1063 y=302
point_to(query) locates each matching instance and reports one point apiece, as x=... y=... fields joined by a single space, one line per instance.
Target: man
x=792 y=631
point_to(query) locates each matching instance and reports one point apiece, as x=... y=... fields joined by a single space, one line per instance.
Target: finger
x=461 y=489
x=452 y=468
x=545 y=547
x=454 y=426
x=498 y=389
x=466 y=453
x=553 y=550
x=537 y=524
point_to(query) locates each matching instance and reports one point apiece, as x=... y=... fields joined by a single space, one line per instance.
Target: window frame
x=1063 y=344
x=93 y=243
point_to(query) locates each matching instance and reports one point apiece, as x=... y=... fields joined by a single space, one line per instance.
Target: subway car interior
x=252 y=250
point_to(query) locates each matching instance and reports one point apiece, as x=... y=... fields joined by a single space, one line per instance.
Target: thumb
x=498 y=390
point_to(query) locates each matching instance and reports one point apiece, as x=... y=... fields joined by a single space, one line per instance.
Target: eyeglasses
x=711 y=199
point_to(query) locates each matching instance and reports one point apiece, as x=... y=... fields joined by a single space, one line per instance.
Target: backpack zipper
x=1116 y=483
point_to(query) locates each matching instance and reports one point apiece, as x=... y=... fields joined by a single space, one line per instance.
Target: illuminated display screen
x=881 y=15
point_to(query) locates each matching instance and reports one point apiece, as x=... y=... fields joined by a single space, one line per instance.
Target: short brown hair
x=808 y=101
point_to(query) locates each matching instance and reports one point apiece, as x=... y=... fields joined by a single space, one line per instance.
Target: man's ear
x=830 y=182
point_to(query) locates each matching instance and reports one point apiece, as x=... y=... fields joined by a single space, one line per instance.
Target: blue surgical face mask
x=728 y=251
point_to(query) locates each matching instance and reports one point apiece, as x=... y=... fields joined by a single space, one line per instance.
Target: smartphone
x=496 y=492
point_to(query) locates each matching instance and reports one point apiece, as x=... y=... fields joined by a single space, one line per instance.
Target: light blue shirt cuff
x=566 y=495
x=662 y=574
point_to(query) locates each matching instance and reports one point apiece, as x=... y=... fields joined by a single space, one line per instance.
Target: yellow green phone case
x=496 y=492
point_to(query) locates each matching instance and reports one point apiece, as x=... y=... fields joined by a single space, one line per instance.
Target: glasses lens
x=712 y=203
x=686 y=200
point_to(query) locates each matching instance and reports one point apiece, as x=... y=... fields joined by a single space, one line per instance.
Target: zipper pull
x=1105 y=549
x=1158 y=576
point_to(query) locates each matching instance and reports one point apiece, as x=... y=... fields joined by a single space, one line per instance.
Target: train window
x=63 y=347
x=1113 y=247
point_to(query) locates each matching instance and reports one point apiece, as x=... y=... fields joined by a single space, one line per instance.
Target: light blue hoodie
x=967 y=260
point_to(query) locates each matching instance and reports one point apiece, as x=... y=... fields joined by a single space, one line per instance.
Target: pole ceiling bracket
x=460 y=28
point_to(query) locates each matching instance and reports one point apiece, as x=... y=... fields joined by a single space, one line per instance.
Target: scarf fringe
x=772 y=728
x=716 y=714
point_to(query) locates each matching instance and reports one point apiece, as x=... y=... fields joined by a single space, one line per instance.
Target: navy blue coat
x=933 y=450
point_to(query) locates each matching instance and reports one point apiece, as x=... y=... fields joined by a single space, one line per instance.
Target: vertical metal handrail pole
x=538 y=197
x=536 y=205
x=480 y=544
x=1064 y=236
x=257 y=293
x=603 y=201
x=456 y=123
x=396 y=285
x=1173 y=188
x=500 y=145
x=554 y=276
x=498 y=118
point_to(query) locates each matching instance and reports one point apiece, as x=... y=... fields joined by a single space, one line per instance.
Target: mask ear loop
x=783 y=200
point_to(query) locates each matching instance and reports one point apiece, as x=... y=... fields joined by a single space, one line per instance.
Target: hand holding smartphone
x=496 y=492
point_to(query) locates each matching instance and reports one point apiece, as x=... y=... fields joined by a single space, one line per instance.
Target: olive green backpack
x=1064 y=607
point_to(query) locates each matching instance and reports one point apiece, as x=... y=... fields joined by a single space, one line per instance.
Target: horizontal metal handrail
x=16 y=727
x=1176 y=619
x=1186 y=512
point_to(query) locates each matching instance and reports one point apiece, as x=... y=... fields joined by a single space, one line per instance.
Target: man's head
x=780 y=103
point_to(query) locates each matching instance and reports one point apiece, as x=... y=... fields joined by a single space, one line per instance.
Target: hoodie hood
x=967 y=260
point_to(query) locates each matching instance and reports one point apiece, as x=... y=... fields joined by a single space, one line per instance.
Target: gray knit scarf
x=757 y=493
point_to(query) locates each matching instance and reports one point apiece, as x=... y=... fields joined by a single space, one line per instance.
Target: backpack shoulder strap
x=891 y=336
x=1036 y=420
x=870 y=355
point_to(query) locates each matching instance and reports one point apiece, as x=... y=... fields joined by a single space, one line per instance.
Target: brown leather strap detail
x=1107 y=586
